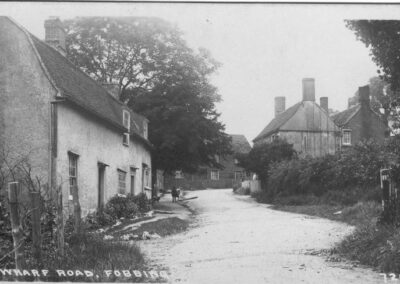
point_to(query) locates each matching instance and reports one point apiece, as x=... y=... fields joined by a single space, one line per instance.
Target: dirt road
x=236 y=240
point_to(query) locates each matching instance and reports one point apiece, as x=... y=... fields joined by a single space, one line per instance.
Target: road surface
x=236 y=240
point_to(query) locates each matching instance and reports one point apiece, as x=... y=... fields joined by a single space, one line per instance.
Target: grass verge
x=85 y=252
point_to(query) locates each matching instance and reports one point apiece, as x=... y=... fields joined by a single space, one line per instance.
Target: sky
x=265 y=49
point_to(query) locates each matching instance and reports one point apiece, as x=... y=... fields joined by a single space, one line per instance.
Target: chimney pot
x=323 y=102
x=363 y=95
x=309 y=89
x=55 y=34
x=280 y=105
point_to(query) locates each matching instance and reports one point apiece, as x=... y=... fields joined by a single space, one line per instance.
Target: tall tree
x=382 y=37
x=159 y=76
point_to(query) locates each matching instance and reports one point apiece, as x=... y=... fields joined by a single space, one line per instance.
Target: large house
x=73 y=132
x=207 y=177
x=306 y=124
x=360 y=122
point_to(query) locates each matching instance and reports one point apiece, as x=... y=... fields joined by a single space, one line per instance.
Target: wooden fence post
x=60 y=222
x=13 y=191
x=77 y=210
x=36 y=233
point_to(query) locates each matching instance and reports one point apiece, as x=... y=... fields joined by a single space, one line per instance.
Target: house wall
x=318 y=143
x=366 y=125
x=25 y=94
x=95 y=142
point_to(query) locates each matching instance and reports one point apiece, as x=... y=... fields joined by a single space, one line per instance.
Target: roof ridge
x=294 y=107
x=31 y=38
x=81 y=71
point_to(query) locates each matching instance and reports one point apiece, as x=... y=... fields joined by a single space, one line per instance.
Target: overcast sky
x=265 y=49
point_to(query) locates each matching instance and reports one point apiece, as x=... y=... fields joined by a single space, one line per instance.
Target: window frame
x=72 y=159
x=125 y=139
x=121 y=181
x=215 y=176
x=179 y=175
x=239 y=174
x=126 y=119
x=344 y=132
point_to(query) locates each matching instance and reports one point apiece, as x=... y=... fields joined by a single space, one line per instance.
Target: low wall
x=254 y=185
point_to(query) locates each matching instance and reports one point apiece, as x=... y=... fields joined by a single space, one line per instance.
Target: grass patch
x=91 y=253
x=358 y=214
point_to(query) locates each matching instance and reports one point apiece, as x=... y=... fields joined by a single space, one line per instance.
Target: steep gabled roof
x=344 y=117
x=77 y=87
x=278 y=121
x=303 y=116
x=240 y=144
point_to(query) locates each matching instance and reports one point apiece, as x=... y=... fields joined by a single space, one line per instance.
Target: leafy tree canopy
x=158 y=76
x=261 y=156
x=382 y=37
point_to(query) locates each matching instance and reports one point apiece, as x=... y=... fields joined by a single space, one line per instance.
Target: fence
x=35 y=210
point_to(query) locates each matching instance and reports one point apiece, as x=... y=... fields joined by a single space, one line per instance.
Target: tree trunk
x=36 y=233
x=13 y=190
x=60 y=222
x=77 y=210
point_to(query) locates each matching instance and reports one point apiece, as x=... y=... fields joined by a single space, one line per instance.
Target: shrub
x=99 y=219
x=331 y=176
x=243 y=191
x=127 y=206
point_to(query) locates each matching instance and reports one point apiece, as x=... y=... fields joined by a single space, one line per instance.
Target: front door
x=132 y=184
x=100 y=202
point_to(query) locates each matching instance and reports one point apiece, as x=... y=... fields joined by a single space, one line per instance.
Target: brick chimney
x=55 y=34
x=280 y=105
x=363 y=95
x=309 y=89
x=323 y=102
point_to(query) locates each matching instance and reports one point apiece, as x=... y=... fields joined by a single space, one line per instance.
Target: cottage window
x=217 y=159
x=178 y=174
x=214 y=175
x=73 y=172
x=346 y=137
x=236 y=161
x=121 y=182
x=126 y=119
x=239 y=175
x=125 y=139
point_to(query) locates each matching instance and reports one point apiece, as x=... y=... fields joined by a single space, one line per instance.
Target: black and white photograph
x=199 y=142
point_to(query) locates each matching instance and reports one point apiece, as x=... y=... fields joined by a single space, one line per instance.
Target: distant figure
x=174 y=193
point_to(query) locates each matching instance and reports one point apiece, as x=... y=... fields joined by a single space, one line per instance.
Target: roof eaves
x=93 y=111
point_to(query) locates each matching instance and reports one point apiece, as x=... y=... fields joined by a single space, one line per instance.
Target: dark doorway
x=100 y=202
x=133 y=184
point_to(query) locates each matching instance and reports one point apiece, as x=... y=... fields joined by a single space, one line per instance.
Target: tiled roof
x=240 y=143
x=77 y=87
x=278 y=121
x=343 y=117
